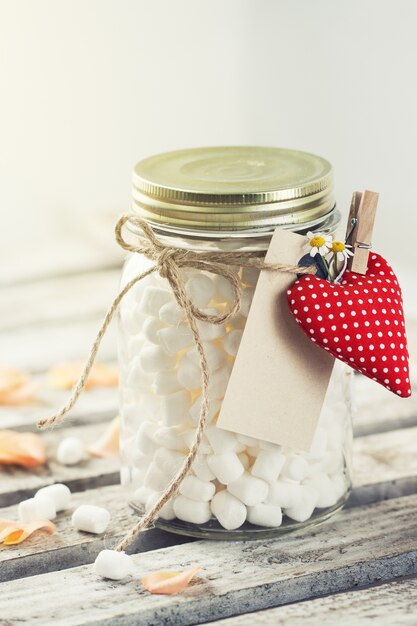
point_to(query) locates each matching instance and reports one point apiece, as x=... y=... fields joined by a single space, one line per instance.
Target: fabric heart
x=360 y=321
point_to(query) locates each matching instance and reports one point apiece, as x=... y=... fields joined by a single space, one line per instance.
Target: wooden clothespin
x=360 y=227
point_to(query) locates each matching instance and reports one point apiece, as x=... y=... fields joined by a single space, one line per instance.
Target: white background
x=89 y=87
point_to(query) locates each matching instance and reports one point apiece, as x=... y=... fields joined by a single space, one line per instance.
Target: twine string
x=168 y=262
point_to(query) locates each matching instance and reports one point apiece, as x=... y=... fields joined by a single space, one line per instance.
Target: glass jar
x=221 y=199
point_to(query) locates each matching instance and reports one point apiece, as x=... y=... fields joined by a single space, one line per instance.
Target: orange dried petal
x=19 y=396
x=168 y=582
x=11 y=378
x=65 y=375
x=108 y=443
x=25 y=449
x=17 y=532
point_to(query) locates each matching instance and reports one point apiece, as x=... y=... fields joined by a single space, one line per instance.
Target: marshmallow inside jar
x=220 y=200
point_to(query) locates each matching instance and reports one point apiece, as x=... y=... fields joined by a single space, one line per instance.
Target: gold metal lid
x=232 y=188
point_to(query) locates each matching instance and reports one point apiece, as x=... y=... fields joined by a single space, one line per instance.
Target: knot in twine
x=168 y=262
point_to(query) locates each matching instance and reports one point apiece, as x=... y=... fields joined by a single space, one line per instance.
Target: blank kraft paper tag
x=279 y=379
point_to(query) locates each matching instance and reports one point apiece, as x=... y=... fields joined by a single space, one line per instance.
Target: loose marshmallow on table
x=175 y=408
x=176 y=338
x=248 y=489
x=229 y=511
x=226 y=467
x=265 y=515
x=191 y=511
x=153 y=298
x=91 y=519
x=113 y=565
x=268 y=465
x=41 y=507
x=154 y=359
x=200 y=288
x=70 y=451
x=196 y=489
x=59 y=493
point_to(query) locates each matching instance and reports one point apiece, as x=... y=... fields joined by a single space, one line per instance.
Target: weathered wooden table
x=357 y=567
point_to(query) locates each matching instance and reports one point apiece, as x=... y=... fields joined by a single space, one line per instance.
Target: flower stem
x=326 y=266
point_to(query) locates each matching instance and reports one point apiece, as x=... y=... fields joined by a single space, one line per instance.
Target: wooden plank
x=378 y=475
x=385 y=605
x=18 y=484
x=384 y=466
x=95 y=405
x=237 y=576
x=70 y=547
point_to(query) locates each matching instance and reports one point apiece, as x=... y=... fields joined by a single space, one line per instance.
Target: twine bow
x=168 y=262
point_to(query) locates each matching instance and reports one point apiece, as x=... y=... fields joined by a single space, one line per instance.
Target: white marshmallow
x=332 y=462
x=295 y=468
x=218 y=382
x=303 y=509
x=232 y=341
x=155 y=478
x=319 y=445
x=149 y=406
x=265 y=515
x=155 y=359
x=176 y=338
x=189 y=438
x=59 y=493
x=167 y=511
x=284 y=494
x=144 y=437
x=150 y=329
x=326 y=490
x=165 y=383
x=215 y=357
x=226 y=467
x=201 y=469
x=191 y=511
x=169 y=461
x=244 y=459
x=221 y=440
x=229 y=511
x=136 y=377
x=171 y=313
x=132 y=320
x=268 y=465
x=223 y=289
x=209 y=331
x=196 y=489
x=248 y=489
x=214 y=408
x=113 y=565
x=200 y=288
x=170 y=437
x=189 y=375
x=175 y=408
x=38 y=508
x=91 y=519
x=153 y=298
x=70 y=451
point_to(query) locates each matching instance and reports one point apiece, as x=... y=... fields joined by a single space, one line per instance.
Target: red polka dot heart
x=360 y=321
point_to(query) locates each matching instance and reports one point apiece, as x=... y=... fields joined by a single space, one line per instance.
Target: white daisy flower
x=341 y=250
x=319 y=243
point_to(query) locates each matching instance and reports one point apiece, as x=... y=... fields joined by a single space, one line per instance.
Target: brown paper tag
x=279 y=379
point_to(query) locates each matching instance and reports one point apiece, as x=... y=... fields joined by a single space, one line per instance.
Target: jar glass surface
x=238 y=487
